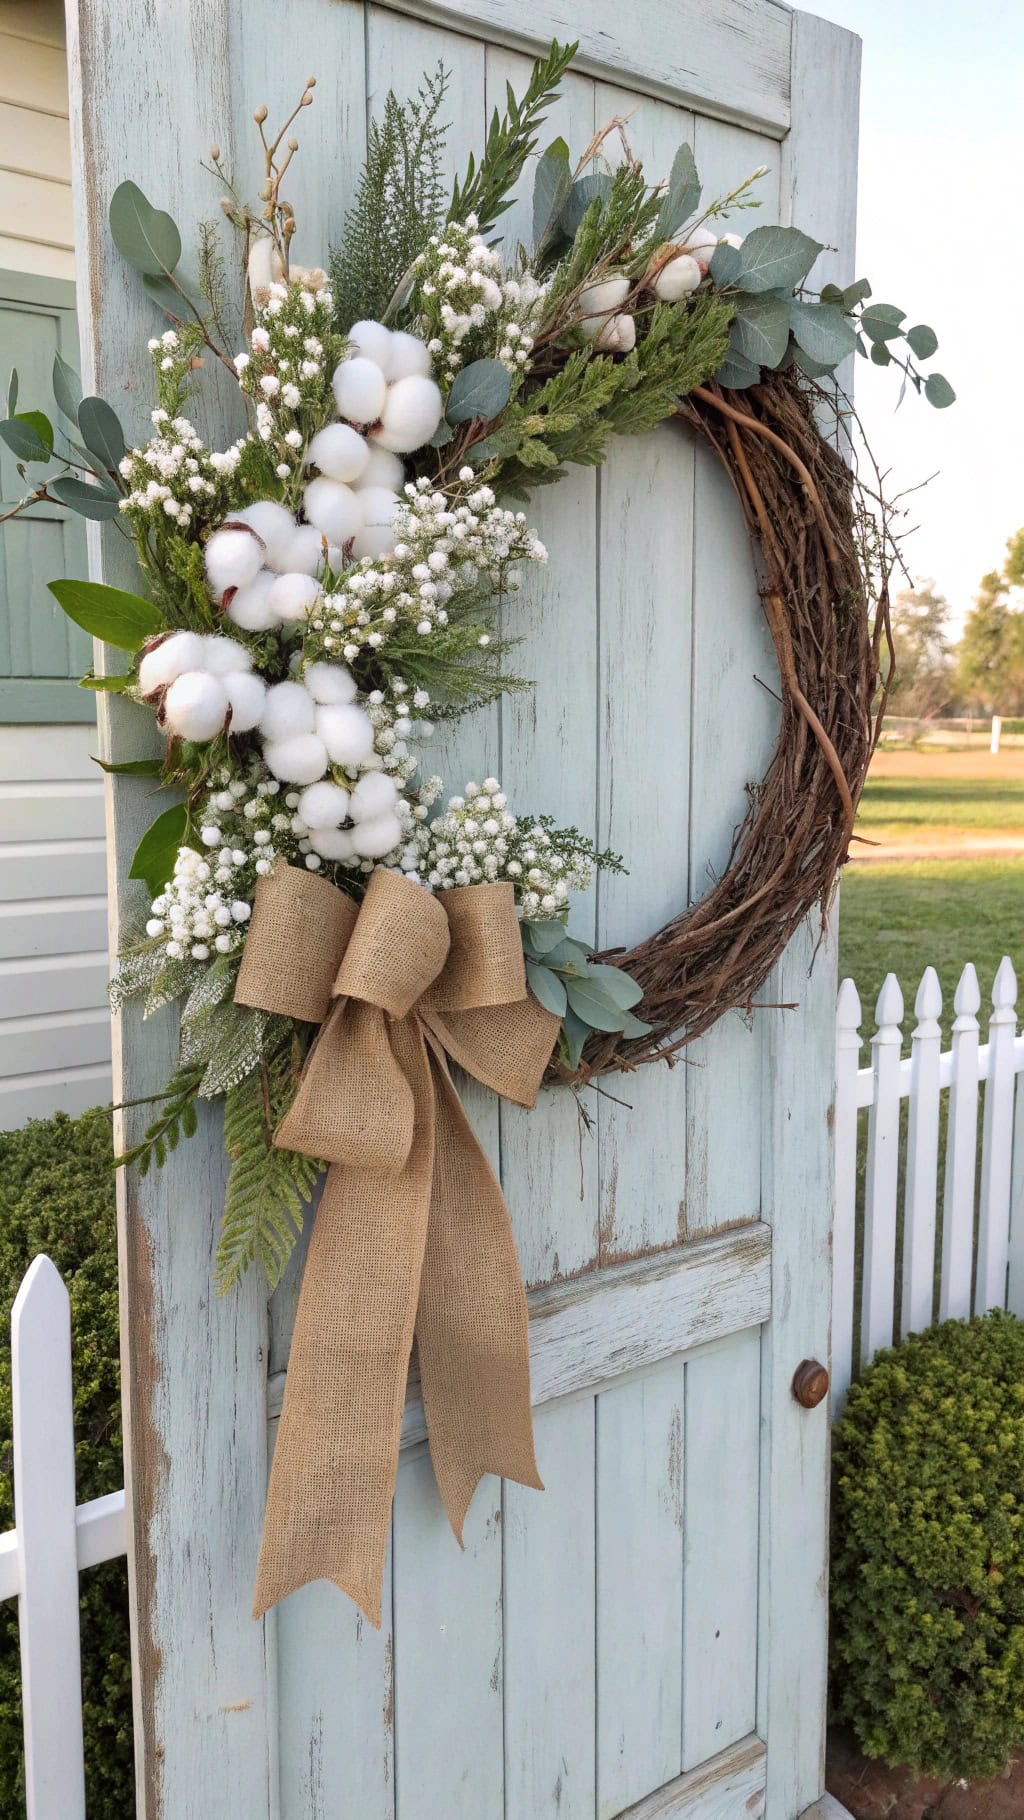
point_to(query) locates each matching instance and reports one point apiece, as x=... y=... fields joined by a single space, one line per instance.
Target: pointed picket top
x=889 y=1011
x=967 y=999
x=1004 y=992
x=848 y=1011
x=42 y=1293
x=928 y=1003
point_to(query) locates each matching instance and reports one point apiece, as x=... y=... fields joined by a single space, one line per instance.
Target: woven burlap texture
x=412 y=1236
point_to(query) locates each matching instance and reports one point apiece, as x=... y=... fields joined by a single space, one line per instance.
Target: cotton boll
x=346 y=732
x=332 y=843
x=375 y=794
x=324 y=805
x=287 y=712
x=598 y=301
x=291 y=597
x=376 y=536
x=382 y=470
x=232 y=558
x=265 y=267
x=304 y=553
x=196 y=705
x=360 y=389
x=170 y=659
x=617 y=336
x=412 y=411
x=250 y=606
x=271 y=521
x=246 y=694
x=329 y=684
x=333 y=508
x=373 y=341
x=222 y=655
x=409 y=355
x=339 y=452
x=677 y=278
x=372 y=839
x=299 y=760
x=700 y=243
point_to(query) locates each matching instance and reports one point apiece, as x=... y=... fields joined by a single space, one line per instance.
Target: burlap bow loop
x=412 y=1234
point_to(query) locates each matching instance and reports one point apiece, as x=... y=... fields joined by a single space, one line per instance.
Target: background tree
x=990 y=666
x=925 y=678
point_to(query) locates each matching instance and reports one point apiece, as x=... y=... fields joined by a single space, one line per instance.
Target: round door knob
x=810 y=1383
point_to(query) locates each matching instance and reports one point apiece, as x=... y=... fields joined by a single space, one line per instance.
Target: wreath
x=318 y=593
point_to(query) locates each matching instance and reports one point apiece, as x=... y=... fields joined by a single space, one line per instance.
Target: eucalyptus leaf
x=23 y=438
x=67 y=388
x=922 y=341
x=774 y=256
x=882 y=321
x=593 y=1005
x=815 y=369
x=569 y=957
x=574 y=1034
x=481 y=390
x=725 y=263
x=146 y=237
x=880 y=355
x=822 y=331
x=682 y=197
x=12 y=392
x=547 y=988
x=110 y=614
x=593 y=188
x=96 y=502
x=541 y=937
x=938 y=391
x=760 y=330
x=634 y=1026
x=173 y=295
x=735 y=373
x=157 y=851
x=831 y=293
x=620 y=987
x=856 y=293
x=551 y=187
x=101 y=432
x=132 y=767
x=442 y=435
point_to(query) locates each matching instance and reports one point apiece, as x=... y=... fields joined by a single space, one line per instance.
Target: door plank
x=728 y=1787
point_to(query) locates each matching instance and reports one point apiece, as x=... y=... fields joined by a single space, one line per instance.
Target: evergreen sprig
x=485 y=191
x=399 y=203
x=176 y=1120
x=267 y=1188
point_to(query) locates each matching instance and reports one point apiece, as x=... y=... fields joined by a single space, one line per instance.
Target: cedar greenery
x=928 y=1551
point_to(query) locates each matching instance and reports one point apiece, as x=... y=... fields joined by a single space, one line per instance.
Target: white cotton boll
x=382 y=470
x=360 y=389
x=324 y=805
x=196 y=705
x=618 y=336
x=232 y=558
x=299 y=760
x=735 y=240
x=330 y=684
x=374 y=342
x=677 y=279
x=376 y=536
x=346 y=732
x=700 y=243
x=375 y=794
x=222 y=655
x=598 y=301
x=304 y=553
x=372 y=839
x=291 y=597
x=339 y=452
x=246 y=694
x=409 y=355
x=333 y=508
x=287 y=712
x=271 y=521
x=250 y=606
x=170 y=659
x=332 y=843
x=265 y=267
x=412 y=411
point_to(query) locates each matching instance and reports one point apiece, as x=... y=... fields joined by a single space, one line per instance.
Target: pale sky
x=941 y=235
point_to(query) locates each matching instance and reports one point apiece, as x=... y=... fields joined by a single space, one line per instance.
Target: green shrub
x=57 y=1197
x=928 y=1551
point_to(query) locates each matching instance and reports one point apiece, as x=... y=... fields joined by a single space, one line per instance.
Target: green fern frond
x=176 y=1120
x=266 y=1187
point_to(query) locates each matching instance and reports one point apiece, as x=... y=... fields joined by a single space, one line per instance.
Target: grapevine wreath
x=317 y=590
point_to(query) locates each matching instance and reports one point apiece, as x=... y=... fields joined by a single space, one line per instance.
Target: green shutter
x=41 y=652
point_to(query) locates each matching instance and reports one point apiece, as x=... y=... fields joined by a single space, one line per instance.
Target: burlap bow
x=412 y=1234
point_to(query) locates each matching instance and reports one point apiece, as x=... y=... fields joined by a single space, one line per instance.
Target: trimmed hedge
x=57 y=1197
x=928 y=1551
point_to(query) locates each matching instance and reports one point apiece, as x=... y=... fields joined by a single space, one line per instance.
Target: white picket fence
x=981 y=1262
x=41 y=1558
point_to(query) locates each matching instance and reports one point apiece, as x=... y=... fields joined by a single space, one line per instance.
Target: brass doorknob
x=810 y=1383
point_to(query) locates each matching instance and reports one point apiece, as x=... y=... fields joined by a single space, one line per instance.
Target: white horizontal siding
x=36 y=231
x=54 y=1022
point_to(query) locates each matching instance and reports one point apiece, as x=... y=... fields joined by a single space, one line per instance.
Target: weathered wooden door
x=656 y=1619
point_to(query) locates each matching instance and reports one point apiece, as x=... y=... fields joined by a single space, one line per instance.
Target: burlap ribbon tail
x=412 y=1235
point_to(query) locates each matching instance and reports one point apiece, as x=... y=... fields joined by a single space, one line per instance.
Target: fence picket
x=919 y=1204
x=996 y=1140
x=848 y=1046
x=878 y=1306
x=961 y=1150
x=44 y=1508
x=1015 y=1275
